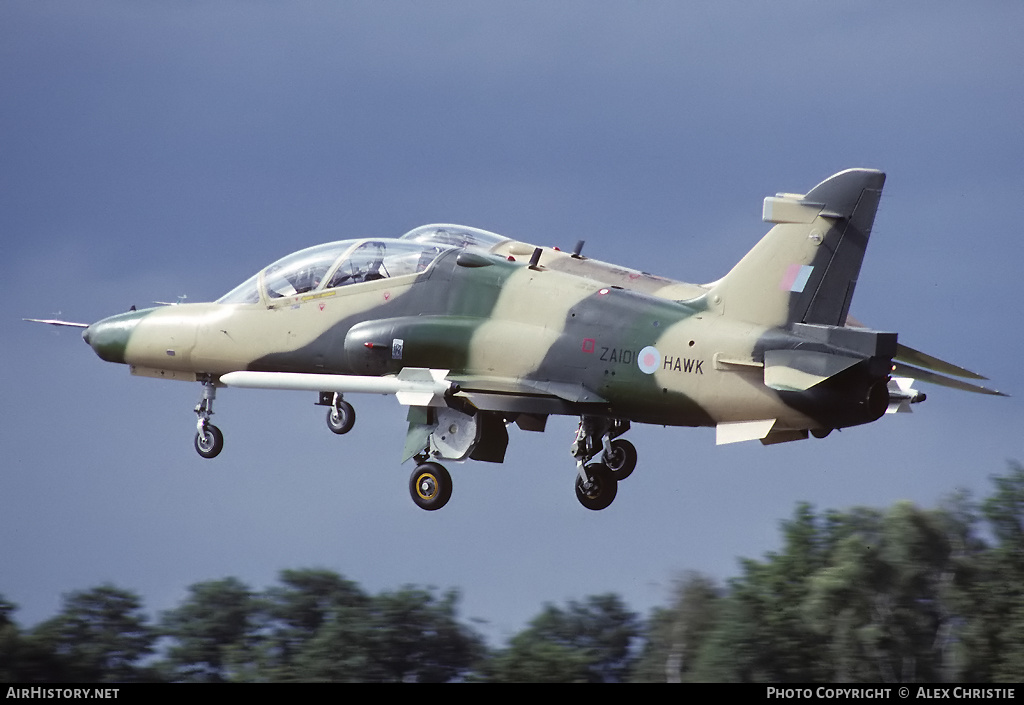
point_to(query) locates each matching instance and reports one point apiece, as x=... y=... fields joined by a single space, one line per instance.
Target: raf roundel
x=649 y=360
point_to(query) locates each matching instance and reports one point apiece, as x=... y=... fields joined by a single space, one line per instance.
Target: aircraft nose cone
x=109 y=337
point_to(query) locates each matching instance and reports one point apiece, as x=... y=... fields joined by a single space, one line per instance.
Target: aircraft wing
x=525 y=396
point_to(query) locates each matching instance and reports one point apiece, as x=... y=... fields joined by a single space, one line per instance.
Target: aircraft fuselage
x=473 y=332
x=637 y=355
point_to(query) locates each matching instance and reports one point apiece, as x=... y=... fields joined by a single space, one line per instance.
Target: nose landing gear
x=341 y=417
x=209 y=440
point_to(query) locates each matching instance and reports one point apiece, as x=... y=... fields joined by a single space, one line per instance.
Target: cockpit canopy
x=455 y=236
x=336 y=264
x=346 y=262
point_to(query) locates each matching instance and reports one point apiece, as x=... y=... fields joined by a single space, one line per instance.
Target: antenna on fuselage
x=535 y=259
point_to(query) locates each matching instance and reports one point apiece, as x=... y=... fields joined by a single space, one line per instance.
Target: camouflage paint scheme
x=509 y=332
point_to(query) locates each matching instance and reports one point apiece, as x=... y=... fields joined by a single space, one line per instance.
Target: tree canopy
x=899 y=594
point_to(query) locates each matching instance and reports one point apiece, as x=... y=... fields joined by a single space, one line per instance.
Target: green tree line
x=901 y=594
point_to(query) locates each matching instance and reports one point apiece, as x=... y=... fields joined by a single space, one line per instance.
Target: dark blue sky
x=151 y=150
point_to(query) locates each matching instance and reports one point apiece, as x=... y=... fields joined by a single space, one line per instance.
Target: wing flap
x=525 y=396
x=575 y=393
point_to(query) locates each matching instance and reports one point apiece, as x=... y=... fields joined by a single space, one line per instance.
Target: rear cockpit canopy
x=455 y=236
x=336 y=264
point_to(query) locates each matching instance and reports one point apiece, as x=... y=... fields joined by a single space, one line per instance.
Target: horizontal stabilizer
x=904 y=370
x=920 y=359
x=927 y=368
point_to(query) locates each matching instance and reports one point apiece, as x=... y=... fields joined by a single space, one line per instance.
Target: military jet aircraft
x=475 y=332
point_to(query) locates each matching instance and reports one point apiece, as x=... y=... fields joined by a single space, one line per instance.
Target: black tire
x=622 y=460
x=430 y=486
x=210 y=443
x=600 y=491
x=341 y=418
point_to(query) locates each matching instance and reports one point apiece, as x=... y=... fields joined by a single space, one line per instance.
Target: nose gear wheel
x=341 y=417
x=209 y=441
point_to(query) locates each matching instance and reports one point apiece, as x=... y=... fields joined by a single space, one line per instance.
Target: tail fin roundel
x=805 y=269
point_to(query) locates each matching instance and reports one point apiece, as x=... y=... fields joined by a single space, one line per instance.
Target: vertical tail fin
x=805 y=269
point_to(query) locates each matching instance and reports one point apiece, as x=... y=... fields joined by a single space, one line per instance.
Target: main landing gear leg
x=602 y=460
x=209 y=440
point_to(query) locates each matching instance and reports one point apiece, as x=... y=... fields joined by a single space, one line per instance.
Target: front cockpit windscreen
x=248 y=292
x=336 y=264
